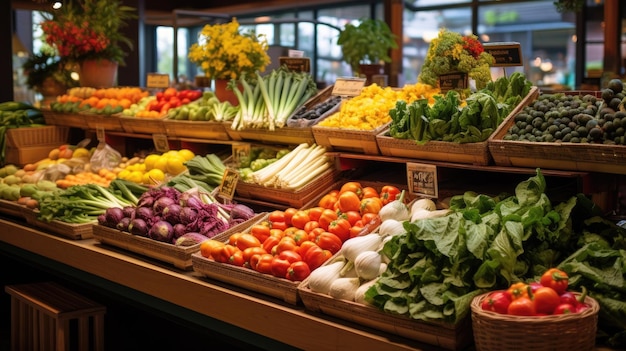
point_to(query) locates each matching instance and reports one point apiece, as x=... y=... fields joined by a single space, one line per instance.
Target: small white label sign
x=348 y=86
x=422 y=180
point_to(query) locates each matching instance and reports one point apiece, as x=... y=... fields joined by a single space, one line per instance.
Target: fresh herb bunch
x=453 y=52
x=224 y=52
x=89 y=29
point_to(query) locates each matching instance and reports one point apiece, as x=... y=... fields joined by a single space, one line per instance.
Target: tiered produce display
x=377 y=249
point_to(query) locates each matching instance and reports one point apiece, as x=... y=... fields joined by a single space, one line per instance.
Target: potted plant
x=87 y=32
x=366 y=44
x=47 y=74
x=224 y=53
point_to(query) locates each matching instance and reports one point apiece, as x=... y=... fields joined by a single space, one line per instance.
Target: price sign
x=229 y=184
x=158 y=81
x=160 y=143
x=296 y=64
x=240 y=151
x=348 y=86
x=453 y=81
x=422 y=179
x=505 y=53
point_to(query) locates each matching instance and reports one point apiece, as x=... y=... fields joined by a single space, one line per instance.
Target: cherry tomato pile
x=170 y=98
x=548 y=296
x=292 y=243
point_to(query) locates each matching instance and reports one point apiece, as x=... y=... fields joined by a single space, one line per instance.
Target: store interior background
x=561 y=51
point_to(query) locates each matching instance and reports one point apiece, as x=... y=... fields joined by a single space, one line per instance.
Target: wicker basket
x=565 y=332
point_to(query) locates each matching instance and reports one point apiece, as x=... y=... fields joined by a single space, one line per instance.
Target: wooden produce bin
x=590 y=157
x=74 y=231
x=140 y=125
x=209 y=130
x=284 y=135
x=110 y=123
x=442 y=335
x=31 y=144
x=359 y=141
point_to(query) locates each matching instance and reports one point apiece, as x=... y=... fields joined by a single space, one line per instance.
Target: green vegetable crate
x=467 y=153
x=439 y=334
x=569 y=156
x=72 y=231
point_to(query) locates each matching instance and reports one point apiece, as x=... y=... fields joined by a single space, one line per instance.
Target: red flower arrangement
x=88 y=29
x=473 y=46
x=72 y=40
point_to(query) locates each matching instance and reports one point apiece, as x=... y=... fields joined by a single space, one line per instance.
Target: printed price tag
x=157 y=81
x=453 y=81
x=348 y=86
x=505 y=53
x=296 y=64
x=100 y=134
x=422 y=179
x=229 y=184
x=160 y=143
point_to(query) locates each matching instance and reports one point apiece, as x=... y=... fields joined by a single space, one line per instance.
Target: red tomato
x=289 y=213
x=298 y=271
x=316 y=256
x=290 y=255
x=237 y=259
x=276 y=216
x=224 y=253
x=328 y=201
x=300 y=219
x=352 y=216
x=305 y=246
x=280 y=267
x=262 y=263
x=327 y=216
x=369 y=191
x=546 y=299
x=260 y=231
x=270 y=243
x=370 y=205
x=279 y=225
x=247 y=240
x=311 y=225
x=564 y=308
x=315 y=213
x=251 y=251
x=341 y=228
x=300 y=235
x=522 y=306
x=286 y=243
x=329 y=241
x=498 y=301
x=555 y=279
x=389 y=193
x=354 y=187
x=349 y=201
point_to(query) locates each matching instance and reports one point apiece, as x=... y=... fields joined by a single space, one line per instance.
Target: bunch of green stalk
x=271 y=99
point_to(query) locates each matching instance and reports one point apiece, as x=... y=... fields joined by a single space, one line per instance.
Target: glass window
x=165 y=56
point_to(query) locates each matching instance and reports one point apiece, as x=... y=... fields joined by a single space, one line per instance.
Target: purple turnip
x=138 y=226
x=172 y=213
x=161 y=231
x=161 y=204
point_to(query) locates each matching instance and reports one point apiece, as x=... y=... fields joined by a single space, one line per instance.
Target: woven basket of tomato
x=537 y=316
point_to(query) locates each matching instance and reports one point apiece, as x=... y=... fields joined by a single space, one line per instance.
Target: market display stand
x=263 y=322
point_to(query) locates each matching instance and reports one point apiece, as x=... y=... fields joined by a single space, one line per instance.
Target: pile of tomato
x=291 y=243
x=171 y=98
x=548 y=296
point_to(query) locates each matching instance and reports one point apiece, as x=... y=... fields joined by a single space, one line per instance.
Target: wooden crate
x=210 y=130
x=178 y=256
x=137 y=125
x=106 y=122
x=76 y=120
x=247 y=278
x=35 y=136
x=284 y=135
x=11 y=208
x=27 y=154
x=555 y=155
x=72 y=231
x=470 y=153
x=352 y=140
x=289 y=197
x=442 y=335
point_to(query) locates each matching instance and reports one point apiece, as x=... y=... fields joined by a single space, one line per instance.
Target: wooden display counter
x=265 y=323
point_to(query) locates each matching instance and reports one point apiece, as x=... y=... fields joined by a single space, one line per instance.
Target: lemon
x=81 y=152
x=161 y=163
x=145 y=179
x=186 y=154
x=123 y=174
x=135 y=176
x=175 y=165
x=156 y=175
x=150 y=160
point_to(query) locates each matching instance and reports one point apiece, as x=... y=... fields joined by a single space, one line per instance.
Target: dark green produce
x=561 y=117
x=15 y=114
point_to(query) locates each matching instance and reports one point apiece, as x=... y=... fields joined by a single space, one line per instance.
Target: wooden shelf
x=268 y=323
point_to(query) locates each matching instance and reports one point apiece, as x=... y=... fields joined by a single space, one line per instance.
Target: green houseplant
x=366 y=43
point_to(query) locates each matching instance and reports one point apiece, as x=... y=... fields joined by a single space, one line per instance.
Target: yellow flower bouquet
x=223 y=52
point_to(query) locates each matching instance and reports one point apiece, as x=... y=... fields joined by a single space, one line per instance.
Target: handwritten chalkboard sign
x=422 y=180
x=453 y=81
x=296 y=64
x=505 y=53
